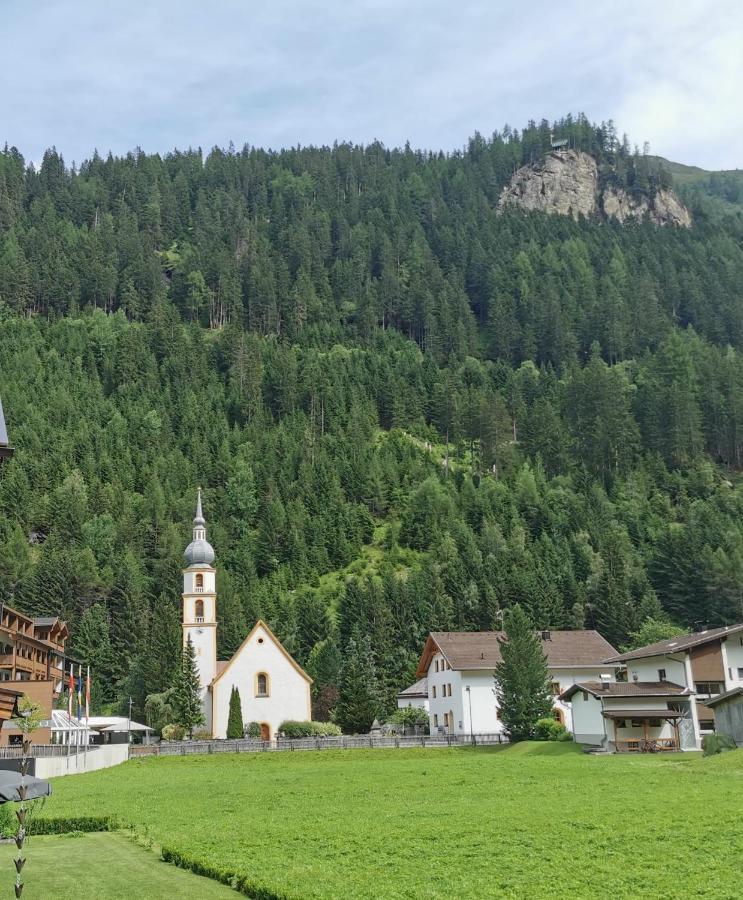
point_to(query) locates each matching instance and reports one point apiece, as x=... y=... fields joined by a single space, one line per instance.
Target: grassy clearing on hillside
x=100 y=867
x=535 y=820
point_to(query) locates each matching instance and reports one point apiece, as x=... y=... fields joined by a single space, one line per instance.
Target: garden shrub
x=68 y=824
x=410 y=716
x=712 y=744
x=293 y=729
x=8 y=821
x=549 y=729
x=253 y=731
x=173 y=732
x=202 y=734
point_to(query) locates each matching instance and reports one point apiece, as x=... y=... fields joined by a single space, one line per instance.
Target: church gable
x=261 y=647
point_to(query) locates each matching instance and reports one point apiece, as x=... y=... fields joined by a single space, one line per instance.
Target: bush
x=712 y=744
x=173 y=732
x=410 y=716
x=292 y=729
x=202 y=734
x=8 y=821
x=253 y=731
x=69 y=824
x=550 y=730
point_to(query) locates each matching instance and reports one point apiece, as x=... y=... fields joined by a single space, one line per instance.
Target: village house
x=416 y=695
x=665 y=703
x=273 y=687
x=459 y=666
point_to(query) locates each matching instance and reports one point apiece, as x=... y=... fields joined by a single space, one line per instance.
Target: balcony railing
x=199 y=619
x=198 y=590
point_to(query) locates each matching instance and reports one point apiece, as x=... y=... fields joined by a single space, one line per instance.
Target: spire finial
x=199 y=518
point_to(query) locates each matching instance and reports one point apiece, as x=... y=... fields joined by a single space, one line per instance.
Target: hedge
x=293 y=729
x=240 y=883
x=66 y=824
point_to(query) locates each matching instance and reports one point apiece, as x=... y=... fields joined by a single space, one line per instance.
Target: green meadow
x=535 y=820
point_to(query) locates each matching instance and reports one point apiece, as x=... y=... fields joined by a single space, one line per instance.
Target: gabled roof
x=419 y=689
x=727 y=695
x=680 y=643
x=481 y=649
x=260 y=624
x=627 y=689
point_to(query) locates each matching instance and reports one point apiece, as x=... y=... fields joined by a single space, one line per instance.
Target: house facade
x=632 y=716
x=728 y=710
x=459 y=668
x=273 y=687
x=416 y=695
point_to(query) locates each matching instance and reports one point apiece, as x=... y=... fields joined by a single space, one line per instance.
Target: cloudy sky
x=115 y=74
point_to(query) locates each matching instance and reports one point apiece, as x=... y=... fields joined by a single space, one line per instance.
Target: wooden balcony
x=647 y=745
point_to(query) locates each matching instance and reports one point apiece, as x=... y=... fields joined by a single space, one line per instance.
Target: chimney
x=546 y=635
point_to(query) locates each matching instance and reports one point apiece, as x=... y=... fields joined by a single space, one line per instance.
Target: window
x=261 y=685
x=636 y=723
x=557 y=713
x=661 y=674
x=555 y=688
x=199 y=581
x=199 y=610
x=740 y=672
x=708 y=687
x=437 y=665
x=435 y=721
x=433 y=689
x=585 y=695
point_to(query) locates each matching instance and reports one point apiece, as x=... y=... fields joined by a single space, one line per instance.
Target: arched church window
x=261 y=685
x=199 y=611
x=199 y=581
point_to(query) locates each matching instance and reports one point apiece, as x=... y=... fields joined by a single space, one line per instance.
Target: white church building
x=273 y=687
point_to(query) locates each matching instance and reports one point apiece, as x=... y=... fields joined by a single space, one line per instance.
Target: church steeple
x=199 y=551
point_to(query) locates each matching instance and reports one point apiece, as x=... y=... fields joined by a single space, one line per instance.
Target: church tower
x=200 y=608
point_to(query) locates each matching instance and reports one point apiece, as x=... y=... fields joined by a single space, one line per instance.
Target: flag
x=79 y=692
x=70 y=691
x=87 y=697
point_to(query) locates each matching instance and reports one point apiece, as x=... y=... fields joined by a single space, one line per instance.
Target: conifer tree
x=235 y=720
x=358 y=696
x=186 y=700
x=521 y=677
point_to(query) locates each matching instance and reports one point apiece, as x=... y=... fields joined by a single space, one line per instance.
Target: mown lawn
x=97 y=866
x=535 y=820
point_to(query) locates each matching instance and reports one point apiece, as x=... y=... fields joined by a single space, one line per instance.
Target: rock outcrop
x=663 y=209
x=566 y=183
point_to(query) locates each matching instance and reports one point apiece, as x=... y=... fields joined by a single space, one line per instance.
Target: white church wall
x=288 y=691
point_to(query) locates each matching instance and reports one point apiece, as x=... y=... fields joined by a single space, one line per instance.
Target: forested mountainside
x=407 y=410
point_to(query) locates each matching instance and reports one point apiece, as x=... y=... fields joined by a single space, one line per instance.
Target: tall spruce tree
x=358 y=692
x=522 y=681
x=235 y=721
x=186 y=700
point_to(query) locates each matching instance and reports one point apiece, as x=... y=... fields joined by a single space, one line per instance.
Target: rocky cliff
x=567 y=183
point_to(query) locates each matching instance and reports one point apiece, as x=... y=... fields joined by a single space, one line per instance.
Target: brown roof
x=682 y=642
x=419 y=689
x=642 y=714
x=627 y=689
x=481 y=649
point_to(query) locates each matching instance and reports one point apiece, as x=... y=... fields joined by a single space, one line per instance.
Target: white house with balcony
x=273 y=687
x=459 y=669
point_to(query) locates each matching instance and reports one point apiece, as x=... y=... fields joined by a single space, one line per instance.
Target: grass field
x=97 y=866
x=535 y=820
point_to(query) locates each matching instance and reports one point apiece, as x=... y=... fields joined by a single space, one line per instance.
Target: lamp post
x=469 y=697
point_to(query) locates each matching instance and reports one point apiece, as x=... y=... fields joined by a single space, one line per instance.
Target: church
x=273 y=687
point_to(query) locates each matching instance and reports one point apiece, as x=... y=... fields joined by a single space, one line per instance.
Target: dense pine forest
x=407 y=411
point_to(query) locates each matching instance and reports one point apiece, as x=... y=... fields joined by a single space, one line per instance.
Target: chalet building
x=666 y=703
x=273 y=687
x=32 y=654
x=458 y=668
x=416 y=695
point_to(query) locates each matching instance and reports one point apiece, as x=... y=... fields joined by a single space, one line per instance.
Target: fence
x=357 y=742
x=44 y=751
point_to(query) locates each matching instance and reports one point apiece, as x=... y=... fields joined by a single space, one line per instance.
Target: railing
x=344 y=742
x=199 y=619
x=46 y=750
x=649 y=745
x=198 y=590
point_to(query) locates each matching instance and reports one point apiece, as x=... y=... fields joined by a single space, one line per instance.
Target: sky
x=113 y=75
